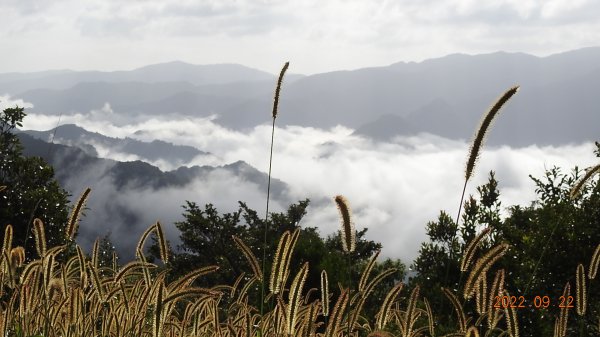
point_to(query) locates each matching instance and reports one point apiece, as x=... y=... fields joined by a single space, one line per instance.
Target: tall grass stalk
x=476 y=146
x=274 y=114
x=348 y=236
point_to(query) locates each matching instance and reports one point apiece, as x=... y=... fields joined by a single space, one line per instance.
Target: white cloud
x=316 y=36
x=394 y=188
x=7 y=102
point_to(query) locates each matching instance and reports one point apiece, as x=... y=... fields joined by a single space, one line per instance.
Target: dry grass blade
x=460 y=314
x=364 y=294
x=563 y=316
x=590 y=172
x=17 y=256
x=411 y=312
x=190 y=277
x=335 y=320
x=278 y=89
x=481 y=295
x=96 y=280
x=496 y=290
x=430 y=318
x=96 y=253
x=482 y=266
x=162 y=243
x=277 y=263
x=348 y=232
x=386 y=306
x=593 y=268
x=472 y=332
x=129 y=267
x=250 y=257
x=40 y=237
x=580 y=291
x=157 y=322
x=281 y=263
x=8 y=237
x=367 y=271
x=2 y=188
x=140 y=246
x=295 y=298
x=481 y=133
x=325 y=293
x=82 y=266
x=193 y=291
x=48 y=269
x=471 y=248
x=511 y=316
x=76 y=214
x=287 y=257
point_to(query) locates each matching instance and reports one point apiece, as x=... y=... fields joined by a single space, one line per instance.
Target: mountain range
x=446 y=96
x=90 y=142
x=129 y=196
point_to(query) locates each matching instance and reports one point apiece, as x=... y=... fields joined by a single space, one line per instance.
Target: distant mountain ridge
x=117 y=186
x=175 y=71
x=445 y=96
x=73 y=135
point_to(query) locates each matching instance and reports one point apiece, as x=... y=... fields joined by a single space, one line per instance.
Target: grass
x=46 y=297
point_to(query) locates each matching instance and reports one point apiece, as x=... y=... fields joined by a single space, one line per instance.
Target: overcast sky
x=316 y=36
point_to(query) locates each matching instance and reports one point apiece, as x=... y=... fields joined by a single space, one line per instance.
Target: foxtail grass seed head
x=162 y=243
x=348 y=232
x=481 y=133
x=76 y=214
x=17 y=256
x=278 y=89
x=589 y=174
x=325 y=293
x=581 y=291
x=593 y=268
x=40 y=236
x=471 y=248
x=8 y=237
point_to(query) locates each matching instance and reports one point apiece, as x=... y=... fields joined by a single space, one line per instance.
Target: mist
x=394 y=187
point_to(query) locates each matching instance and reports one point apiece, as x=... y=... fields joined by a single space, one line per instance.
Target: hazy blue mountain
x=177 y=71
x=127 y=197
x=444 y=96
x=127 y=98
x=73 y=135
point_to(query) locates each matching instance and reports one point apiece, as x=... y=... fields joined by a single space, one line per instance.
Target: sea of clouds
x=394 y=188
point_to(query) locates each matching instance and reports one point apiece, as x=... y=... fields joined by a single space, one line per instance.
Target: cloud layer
x=394 y=187
x=314 y=35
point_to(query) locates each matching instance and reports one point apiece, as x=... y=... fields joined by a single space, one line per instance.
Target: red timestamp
x=538 y=302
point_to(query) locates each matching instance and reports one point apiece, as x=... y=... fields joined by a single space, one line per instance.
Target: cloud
x=394 y=187
x=316 y=36
x=7 y=102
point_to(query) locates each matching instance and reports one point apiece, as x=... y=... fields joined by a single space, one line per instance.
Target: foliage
x=206 y=239
x=548 y=240
x=31 y=190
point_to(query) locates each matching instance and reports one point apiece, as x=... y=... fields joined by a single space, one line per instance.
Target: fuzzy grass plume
x=76 y=214
x=483 y=128
x=278 y=89
x=589 y=174
x=274 y=114
x=348 y=231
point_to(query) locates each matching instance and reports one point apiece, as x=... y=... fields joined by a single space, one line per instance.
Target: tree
x=206 y=239
x=548 y=240
x=31 y=190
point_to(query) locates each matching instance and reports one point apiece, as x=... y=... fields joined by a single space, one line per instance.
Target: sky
x=315 y=36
